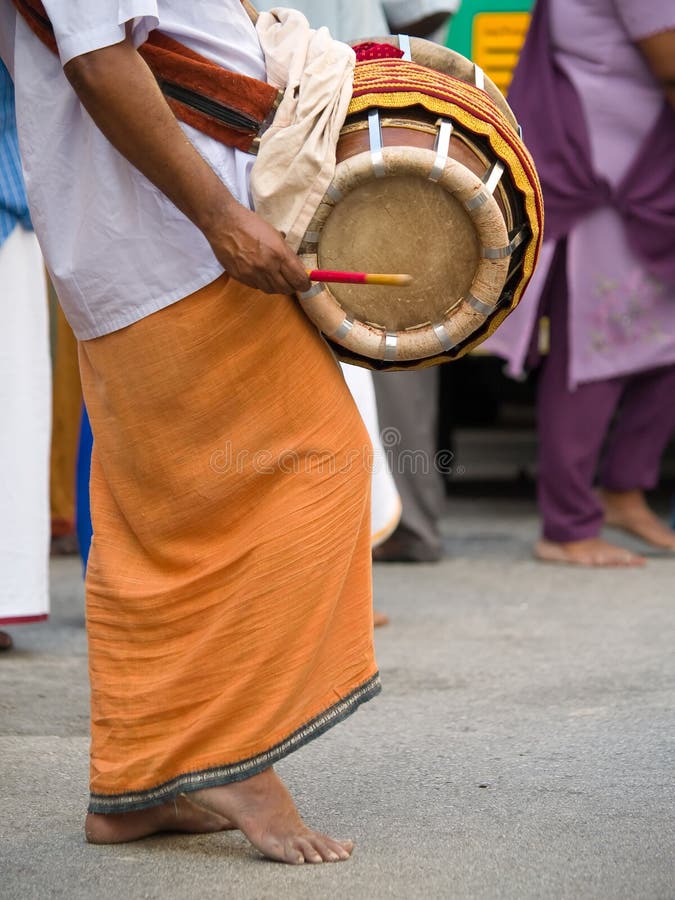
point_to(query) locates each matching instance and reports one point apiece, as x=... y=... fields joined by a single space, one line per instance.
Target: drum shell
x=422 y=131
x=401 y=131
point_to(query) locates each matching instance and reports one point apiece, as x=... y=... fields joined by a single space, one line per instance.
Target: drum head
x=404 y=224
x=448 y=229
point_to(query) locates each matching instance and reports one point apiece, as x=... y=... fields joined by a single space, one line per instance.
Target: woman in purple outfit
x=595 y=94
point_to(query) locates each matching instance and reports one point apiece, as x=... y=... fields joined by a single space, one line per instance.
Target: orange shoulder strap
x=232 y=108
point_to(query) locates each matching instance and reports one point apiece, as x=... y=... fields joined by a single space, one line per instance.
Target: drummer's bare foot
x=379 y=619
x=180 y=814
x=628 y=510
x=263 y=809
x=589 y=552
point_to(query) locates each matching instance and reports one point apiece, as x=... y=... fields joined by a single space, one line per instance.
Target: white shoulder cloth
x=296 y=159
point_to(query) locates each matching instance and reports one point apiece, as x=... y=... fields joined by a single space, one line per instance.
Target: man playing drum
x=228 y=589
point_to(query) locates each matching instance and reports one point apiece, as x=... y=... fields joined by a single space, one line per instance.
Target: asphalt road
x=523 y=746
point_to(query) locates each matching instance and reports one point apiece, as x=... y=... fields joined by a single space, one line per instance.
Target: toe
x=285 y=851
x=328 y=850
x=336 y=850
x=309 y=850
x=630 y=559
x=290 y=852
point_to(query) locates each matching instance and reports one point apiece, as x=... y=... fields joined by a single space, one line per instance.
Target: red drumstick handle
x=330 y=275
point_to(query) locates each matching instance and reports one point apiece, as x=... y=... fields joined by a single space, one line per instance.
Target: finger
x=295 y=273
x=266 y=282
x=298 y=279
x=261 y=280
x=265 y=275
x=279 y=284
x=265 y=279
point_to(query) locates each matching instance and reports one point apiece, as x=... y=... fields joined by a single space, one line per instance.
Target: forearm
x=121 y=95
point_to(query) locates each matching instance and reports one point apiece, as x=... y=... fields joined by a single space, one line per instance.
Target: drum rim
x=464 y=315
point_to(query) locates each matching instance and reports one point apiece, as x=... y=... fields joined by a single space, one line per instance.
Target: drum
x=432 y=180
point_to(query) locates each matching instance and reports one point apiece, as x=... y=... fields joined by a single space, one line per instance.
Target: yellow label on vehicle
x=496 y=41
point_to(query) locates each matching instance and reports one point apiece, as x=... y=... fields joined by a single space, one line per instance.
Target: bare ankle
x=179 y=814
x=634 y=497
x=263 y=809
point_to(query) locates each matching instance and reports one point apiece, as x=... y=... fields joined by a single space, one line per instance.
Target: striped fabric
x=13 y=203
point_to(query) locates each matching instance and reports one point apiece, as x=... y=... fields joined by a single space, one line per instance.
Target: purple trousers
x=613 y=432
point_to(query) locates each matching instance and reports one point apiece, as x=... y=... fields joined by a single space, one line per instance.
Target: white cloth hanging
x=25 y=407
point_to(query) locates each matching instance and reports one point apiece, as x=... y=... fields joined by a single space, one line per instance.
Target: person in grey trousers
x=407 y=402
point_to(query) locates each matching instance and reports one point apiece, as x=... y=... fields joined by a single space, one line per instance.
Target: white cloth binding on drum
x=404 y=46
x=344 y=329
x=333 y=194
x=390 y=346
x=296 y=160
x=375 y=136
x=313 y=291
x=493 y=176
x=442 y=149
x=479 y=305
x=502 y=252
x=477 y=201
x=444 y=338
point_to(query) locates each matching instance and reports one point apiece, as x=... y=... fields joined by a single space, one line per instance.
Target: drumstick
x=358 y=277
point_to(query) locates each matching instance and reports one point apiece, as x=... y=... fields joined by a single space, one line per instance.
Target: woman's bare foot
x=589 y=552
x=264 y=810
x=180 y=814
x=628 y=510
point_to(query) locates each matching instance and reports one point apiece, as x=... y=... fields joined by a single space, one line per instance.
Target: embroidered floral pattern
x=624 y=313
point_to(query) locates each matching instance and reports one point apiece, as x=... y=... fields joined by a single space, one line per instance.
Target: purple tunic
x=621 y=317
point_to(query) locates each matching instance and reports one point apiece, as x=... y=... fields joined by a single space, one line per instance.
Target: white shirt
x=349 y=20
x=116 y=248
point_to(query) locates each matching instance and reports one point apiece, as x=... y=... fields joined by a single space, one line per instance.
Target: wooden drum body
x=432 y=179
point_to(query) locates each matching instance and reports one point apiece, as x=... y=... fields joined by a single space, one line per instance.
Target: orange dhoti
x=229 y=603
